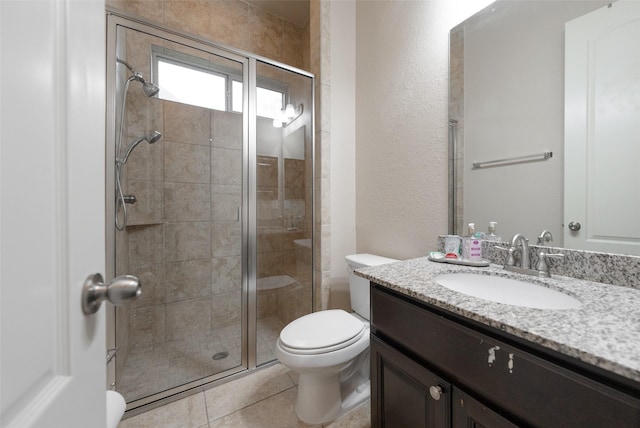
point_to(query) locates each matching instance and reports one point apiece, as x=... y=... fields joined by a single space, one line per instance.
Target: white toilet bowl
x=330 y=352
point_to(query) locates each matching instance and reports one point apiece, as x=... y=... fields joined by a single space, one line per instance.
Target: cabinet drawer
x=529 y=389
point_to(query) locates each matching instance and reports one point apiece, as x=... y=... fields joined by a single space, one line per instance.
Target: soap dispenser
x=471 y=245
x=491 y=236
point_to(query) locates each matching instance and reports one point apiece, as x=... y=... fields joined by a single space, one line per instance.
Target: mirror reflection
x=507 y=116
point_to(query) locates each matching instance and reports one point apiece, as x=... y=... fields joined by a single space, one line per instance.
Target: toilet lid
x=320 y=330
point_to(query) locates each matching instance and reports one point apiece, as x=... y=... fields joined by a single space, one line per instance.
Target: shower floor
x=153 y=368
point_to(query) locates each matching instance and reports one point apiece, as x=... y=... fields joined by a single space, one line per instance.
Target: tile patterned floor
x=263 y=399
x=152 y=368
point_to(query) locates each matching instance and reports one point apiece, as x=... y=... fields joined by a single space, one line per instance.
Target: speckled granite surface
x=604 y=332
x=616 y=269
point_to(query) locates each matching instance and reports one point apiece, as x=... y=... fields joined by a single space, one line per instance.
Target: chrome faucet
x=542 y=266
x=525 y=261
x=545 y=236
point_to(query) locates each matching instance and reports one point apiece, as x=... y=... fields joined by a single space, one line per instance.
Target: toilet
x=330 y=352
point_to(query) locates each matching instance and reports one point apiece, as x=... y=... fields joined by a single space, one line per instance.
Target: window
x=191 y=80
x=191 y=86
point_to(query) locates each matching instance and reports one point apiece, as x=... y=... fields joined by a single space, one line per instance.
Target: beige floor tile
x=247 y=390
x=360 y=417
x=274 y=412
x=190 y=412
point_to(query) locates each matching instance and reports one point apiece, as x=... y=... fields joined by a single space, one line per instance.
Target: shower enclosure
x=215 y=217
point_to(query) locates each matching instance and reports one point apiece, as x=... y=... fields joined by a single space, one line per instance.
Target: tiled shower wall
x=176 y=225
x=197 y=243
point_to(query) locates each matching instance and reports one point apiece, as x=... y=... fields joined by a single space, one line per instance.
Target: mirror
x=506 y=104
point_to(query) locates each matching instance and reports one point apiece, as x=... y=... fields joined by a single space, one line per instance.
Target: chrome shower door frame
x=248 y=212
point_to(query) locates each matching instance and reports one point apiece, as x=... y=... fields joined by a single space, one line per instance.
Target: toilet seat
x=321 y=332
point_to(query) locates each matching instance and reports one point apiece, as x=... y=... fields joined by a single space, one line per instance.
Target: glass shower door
x=284 y=202
x=184 y=235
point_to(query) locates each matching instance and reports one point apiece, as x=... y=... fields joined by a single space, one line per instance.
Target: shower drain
x=220 y=355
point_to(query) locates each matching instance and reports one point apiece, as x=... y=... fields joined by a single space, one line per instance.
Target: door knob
x=119 y=291
x=574 y=226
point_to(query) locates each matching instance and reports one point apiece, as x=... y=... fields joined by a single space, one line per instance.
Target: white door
x=52 y=97
x=602 y=130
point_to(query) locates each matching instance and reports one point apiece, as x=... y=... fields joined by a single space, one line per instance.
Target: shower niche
x=218 y=224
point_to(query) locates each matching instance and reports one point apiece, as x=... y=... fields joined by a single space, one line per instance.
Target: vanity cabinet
x=433 y=368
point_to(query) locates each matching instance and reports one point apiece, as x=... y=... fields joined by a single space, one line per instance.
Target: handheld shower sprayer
x=121 y=198
x=150 y=138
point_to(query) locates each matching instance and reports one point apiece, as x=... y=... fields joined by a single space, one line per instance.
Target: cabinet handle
x=436 y=392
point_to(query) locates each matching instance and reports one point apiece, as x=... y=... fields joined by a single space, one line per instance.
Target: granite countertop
x=604 y=332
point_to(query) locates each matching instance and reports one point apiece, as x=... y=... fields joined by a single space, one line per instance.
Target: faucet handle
x=511 y=261
x=543 y=267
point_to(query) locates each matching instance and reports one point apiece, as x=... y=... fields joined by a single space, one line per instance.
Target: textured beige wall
x=401 y=124
x=231 y=22
x=343 y=143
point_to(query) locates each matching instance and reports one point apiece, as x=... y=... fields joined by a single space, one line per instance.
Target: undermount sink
x=508 y=291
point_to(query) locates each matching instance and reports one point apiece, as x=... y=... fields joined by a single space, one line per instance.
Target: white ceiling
x=294 y=11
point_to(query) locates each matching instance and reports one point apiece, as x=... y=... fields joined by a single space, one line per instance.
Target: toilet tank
x=358 y=286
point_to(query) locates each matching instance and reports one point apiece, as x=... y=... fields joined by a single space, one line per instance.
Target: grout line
x=252 y=404
x=206 y=408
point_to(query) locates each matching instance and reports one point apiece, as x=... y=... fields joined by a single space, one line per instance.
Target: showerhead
x=150 y=138
x=150 y=89
x=153 y=137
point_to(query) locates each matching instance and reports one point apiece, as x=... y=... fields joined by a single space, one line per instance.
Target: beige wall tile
x=267 y=171
x=149 y=207
x=146 y=244
x=147 y=325
x=186 y=163
x=227 y=274
x=188 y=241
x=226 y=166
x=187 y=202
x=150 y=9
x=270 y=264
x=293 y=45
x=226 y=238
x=226 y=309
x=269 y=240
x=266 y=34
x=188 y=318
x=190 y=15
x=188 y=280
x=187 y=124
x=267 y=302
x=152 y=283
x=225 y=201
x=145 y=162
x=229 y=23
x=294 y=173
x=226 y=129
x=142 y=114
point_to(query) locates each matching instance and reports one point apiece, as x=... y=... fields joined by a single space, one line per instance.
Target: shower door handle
x=119 y=291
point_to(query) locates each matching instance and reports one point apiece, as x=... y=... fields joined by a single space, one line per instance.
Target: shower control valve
x=130 y=199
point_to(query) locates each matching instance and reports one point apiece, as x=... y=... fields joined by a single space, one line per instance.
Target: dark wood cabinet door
x=405 y=394
x=470 y=413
